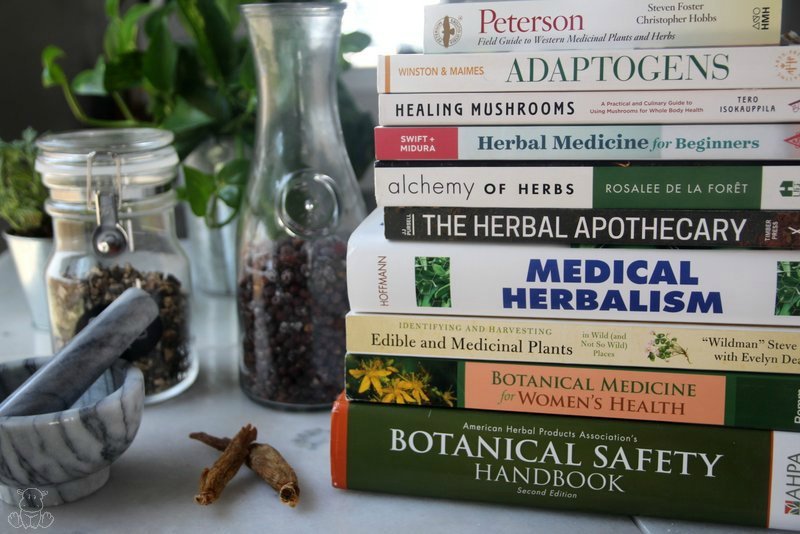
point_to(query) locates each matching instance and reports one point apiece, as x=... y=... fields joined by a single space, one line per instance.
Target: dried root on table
x=264 y=460
x=214 y=479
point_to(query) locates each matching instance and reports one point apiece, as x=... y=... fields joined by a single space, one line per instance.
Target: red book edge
x=339 y=442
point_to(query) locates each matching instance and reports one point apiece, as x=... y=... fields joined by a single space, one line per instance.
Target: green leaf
x=185 y=117
x=90 y=82
x=354 y=42
x=160 y=60
x=234 y=172
x=231 y=195
x=52 y=73
x=198 y=190
x=211 y=30
x=124 y=72
x=121 y=32
x=112 y=8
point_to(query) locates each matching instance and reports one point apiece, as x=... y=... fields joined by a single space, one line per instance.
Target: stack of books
x=581 y=287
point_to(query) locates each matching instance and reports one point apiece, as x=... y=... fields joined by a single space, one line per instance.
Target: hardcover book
x=555 y=281
x=558 y=24
x=589 y=107
x=735 y=67
x=702 y=473
x=646 y=142
x=563 y=184
x=676 y=228
x=652 y=346
x=767 y=401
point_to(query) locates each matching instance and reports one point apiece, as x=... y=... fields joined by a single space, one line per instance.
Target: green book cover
x=693 y=472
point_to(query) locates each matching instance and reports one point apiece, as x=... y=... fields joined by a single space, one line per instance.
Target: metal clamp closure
x=109 y=239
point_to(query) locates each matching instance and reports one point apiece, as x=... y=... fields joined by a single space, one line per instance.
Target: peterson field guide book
x=692 y=472
x=683 y=228
x=590 y=24
x=767 y=401
x=598 y=184
x=595 y=142
x=653 y=346
x=758 y=67
x=588 y=107
x=558 y=281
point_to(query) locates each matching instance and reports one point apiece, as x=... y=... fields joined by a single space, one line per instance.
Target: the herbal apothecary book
x=586 y=24
x=766 y=401
x=563 y=282
x=646 y=345
x=606 y=227
x=687 y=184
x=589 y=107
x=693 y=472
x=734 y=67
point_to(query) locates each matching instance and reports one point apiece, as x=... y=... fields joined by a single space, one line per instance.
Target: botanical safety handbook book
x=570 y=24
x=558 y=281
x=693 y=472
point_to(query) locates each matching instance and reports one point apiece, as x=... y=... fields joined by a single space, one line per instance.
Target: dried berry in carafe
x=292 y=306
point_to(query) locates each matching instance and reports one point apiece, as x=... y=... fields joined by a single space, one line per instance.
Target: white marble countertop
x=152 y=485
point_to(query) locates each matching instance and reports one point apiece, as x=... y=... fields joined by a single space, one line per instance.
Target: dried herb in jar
x=162 y=352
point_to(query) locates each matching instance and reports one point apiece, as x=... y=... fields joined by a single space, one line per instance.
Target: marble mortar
x=67 y=454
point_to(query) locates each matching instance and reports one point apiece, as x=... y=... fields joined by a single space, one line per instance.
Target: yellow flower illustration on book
x=418 y=385
x=401 y=380
x=371 y=373
x=397 y=392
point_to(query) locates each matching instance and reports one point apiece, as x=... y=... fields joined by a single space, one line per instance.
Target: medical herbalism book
x=663 y=184
x=743 y=67
x=648 y=227
x=589 y=107
x=767 y=401
x=582 y=24
x=588 y=142
x=693 y=472
x=559 y=281
x=651 y=346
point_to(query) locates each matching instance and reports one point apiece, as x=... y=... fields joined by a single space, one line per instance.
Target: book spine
x=658 y=185
x=754 y=67
x=649 y=227
x=599 y=107
x=645 y=142
x=718 y=474
x=653 y=346
x=766 y=401
x=556 y=281
x=555 y=24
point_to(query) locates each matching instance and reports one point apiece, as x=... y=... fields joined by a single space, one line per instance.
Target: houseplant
x=183 y=66
x=29 y=237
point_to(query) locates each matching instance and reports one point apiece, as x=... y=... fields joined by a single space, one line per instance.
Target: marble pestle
x=61 y=381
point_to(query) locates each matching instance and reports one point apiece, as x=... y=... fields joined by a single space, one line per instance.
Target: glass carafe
x=303 y=202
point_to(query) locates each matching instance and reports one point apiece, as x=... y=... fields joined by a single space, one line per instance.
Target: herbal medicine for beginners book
x=561 y=282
